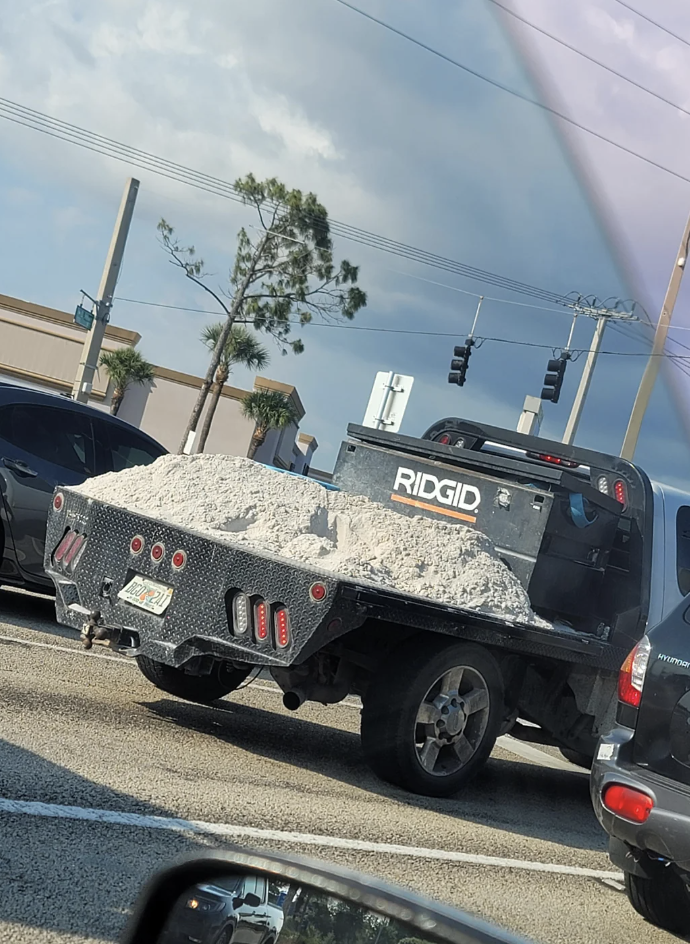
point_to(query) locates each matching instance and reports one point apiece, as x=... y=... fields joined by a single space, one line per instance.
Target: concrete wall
x=163 y=410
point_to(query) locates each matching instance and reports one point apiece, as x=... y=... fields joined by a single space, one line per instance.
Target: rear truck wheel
x=662 y=899
x=577 y=758
x=431 y=715
x=204 y=689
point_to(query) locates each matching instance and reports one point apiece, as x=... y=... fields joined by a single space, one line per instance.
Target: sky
x=393 y=140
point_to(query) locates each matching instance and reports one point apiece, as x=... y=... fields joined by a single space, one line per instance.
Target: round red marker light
x=58 y=501
x=136 y=545
x=317 y=592
x=179 y=559
x=157 y=552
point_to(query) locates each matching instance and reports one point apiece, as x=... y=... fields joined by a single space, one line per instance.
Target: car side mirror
x=307 y=901
x=251 y=900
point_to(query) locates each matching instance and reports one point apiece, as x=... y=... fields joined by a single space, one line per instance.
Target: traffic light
x=553 y=381
x=459 y=363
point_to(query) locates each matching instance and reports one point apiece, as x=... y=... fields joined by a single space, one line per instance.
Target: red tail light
x=620 y=492
x=261 y=621
x=74 y=549
x=282 y=624
x=632 y=673
x=317 y=592
x=628 y=803
x=64 y=546
x=157 y=552
x=58 y=501
x=136 y=545
x=554 y=460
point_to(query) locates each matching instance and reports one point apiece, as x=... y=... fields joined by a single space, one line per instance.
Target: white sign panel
x=388 y=401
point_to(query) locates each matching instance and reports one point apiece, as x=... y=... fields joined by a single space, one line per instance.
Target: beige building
x=41 y=347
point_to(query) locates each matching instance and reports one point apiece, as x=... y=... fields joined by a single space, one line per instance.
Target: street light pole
x=644 y=391
x=104 y=300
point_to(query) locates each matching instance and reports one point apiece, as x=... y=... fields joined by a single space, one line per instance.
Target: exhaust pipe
x=294 y=699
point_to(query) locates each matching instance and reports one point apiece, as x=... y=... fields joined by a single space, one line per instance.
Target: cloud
x=391 y=139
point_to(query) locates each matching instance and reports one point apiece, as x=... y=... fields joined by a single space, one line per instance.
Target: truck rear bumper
x=199 y=617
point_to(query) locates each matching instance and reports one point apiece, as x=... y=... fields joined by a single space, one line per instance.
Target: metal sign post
x=388 y=401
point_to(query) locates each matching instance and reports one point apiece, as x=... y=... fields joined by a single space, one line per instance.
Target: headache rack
x=584 y=555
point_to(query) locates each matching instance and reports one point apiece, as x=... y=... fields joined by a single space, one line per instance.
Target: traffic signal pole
x=585 y=381
x=462 y=353
x=113 y=263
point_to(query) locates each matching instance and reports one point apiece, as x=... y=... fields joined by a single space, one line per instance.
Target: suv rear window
x=58 y=436
x=122 y=448
x=683 y=549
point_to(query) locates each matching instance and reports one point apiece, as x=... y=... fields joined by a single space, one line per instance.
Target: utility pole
x=113 y=263
x=644 y=391
x=585 y=381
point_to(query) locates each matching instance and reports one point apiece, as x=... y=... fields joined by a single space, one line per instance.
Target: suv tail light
x=628 y=803
x=632 y=674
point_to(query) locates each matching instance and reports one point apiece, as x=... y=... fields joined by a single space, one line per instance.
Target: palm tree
x=269 y=409
x=242 y=347
x=125 y=366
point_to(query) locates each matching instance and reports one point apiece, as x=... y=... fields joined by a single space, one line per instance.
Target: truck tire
x=204 y=689
x=431 y=715
x=577 y=758
x=663 y=899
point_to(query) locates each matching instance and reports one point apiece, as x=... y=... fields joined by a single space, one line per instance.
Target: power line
x=453 y=288
x=417 y=333
x=74 y=134
x=514 y=92
x=679 y=365
x=644 y=16
x=584 y=55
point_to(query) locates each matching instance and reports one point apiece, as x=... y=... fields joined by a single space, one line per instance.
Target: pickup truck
x=602 y=552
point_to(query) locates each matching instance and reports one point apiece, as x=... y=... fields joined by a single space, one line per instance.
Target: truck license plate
x=147 y=594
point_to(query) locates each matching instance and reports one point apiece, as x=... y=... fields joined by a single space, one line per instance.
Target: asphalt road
x=97 y=767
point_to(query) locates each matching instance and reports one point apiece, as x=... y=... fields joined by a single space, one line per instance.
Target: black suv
x=45 y=441
x=641 y=775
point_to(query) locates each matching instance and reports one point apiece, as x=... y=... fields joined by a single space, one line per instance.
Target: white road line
x=232 y=831
x=72 y=651
x=525 y=751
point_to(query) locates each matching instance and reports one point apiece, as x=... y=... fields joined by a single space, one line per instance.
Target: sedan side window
x=120 y=448
x=683 y=549
x=60 y=437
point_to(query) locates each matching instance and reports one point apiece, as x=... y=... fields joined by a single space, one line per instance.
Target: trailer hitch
x=94 y=630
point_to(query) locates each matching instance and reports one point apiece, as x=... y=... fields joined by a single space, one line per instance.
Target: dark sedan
x=46 y=441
